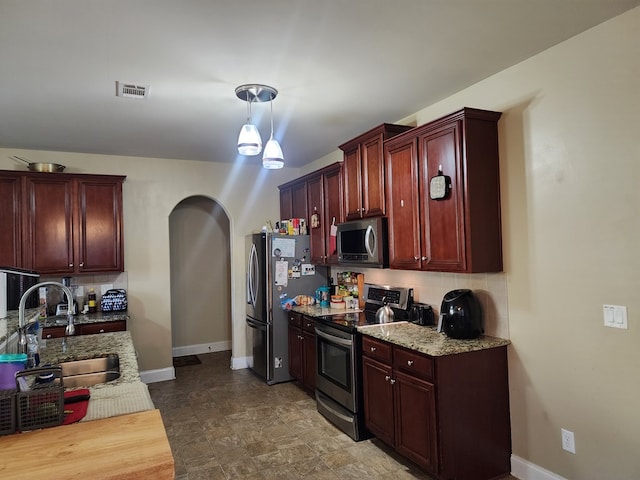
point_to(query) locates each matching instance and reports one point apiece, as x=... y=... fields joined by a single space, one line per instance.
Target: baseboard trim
x=238 y=363
x=201 y=348
x=524 y=470
x=158 y=375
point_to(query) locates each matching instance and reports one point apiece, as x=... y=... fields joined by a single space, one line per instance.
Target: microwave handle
x=368 y=236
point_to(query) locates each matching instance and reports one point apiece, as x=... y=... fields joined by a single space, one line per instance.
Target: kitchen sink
x=91 y=371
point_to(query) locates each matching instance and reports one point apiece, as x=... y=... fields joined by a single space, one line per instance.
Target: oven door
x=336 y=365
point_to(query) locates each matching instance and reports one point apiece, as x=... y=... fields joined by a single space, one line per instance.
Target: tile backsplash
x=81 y=284
x=430 y=288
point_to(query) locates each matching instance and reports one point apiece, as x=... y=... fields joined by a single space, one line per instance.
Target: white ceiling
x=341 y=67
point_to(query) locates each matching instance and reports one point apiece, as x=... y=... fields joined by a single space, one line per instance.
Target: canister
x=10 y=364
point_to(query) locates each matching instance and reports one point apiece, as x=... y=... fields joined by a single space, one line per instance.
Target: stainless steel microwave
x=363 y=243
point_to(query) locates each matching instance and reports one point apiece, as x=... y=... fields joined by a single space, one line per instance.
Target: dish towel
x=74 y=411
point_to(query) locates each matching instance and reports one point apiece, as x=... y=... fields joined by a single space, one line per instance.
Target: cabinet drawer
x=413 y=363
x=295 y=319
x=376 y=349
x=308 y=324
x=102 y=327
x=53 y=332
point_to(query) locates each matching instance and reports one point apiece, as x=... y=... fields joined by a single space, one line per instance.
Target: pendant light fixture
x=272 y=157
x=249 y=140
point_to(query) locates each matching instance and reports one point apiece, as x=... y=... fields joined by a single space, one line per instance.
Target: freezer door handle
x=255 y=324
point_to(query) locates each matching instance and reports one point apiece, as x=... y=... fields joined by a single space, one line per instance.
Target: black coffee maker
x=460 y=315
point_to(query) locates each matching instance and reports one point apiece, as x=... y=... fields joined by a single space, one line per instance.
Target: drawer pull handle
x=102 y=330
x=373 y=349
x=409 y=362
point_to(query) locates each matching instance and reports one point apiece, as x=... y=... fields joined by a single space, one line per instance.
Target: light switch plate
x=615 y=316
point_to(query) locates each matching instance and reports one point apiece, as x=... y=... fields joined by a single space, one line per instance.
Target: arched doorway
x=199 y=236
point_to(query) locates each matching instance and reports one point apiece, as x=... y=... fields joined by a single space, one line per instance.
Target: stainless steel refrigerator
x=278 y=268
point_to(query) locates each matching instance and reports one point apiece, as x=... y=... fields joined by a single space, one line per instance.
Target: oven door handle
x=331 y=338
x=338 y=414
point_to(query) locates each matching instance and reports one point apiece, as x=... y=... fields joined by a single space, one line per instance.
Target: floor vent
x=131 y=90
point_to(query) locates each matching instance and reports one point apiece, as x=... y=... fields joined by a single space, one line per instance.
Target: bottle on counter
x=91 y=301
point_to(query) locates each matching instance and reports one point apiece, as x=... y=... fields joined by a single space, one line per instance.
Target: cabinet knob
x=402 y=203
x=82 y=264
x=48 y=335
x=424 y=259
x=71 y=265
x=387 y=378
x=102 y=330
x=392 y=381
x=416 y=258
x=308 y=325
x=409 y=362
x=373 y=349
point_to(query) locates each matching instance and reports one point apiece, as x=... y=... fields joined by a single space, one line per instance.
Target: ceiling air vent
x=131 y=90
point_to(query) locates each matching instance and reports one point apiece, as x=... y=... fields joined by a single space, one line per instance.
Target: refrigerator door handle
x=252 y=276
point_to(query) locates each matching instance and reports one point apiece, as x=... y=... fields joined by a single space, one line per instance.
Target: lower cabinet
x=449 y=415
x=302 y=350
x=87 y=329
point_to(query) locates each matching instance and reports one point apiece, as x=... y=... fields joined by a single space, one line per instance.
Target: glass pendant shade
x=249 y=141
x=273 y=157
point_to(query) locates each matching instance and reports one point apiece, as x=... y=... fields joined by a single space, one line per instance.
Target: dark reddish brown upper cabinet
x=293 y=200
x=73 y=223
x=460 y=232
x=363 y=172
x=10 y=219
x=324 y=200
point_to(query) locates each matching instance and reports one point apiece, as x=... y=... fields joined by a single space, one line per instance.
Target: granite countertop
x=9 y=325
x=317 y=311
x=427 y=340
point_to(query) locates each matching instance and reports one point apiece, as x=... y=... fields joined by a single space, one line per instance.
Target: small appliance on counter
x=114 y=300
x=460 y=315
x=13 y=283
x=421 y=314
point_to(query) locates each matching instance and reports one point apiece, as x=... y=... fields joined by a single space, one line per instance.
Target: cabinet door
x=295 y=352
x=443 y=239
x=373 y=204
x=316 y=207
x=402 y=204
x=286 y=203
x=309 y=373
x=50 y=225
x=352 y=183
x=378 y=399
x=332 y=200
x=102 y=327
x=415 y=413
x=10 y=221
x=100 y=240
x=299 y=201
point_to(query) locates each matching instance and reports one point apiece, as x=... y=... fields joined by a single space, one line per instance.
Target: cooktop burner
x=398 y=298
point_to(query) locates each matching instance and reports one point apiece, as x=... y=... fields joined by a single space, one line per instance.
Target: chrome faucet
x=23 y=325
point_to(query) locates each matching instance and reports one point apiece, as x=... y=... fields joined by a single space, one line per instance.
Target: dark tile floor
x=228 y=424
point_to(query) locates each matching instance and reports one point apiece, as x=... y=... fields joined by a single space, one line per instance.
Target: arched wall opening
x=200 y=261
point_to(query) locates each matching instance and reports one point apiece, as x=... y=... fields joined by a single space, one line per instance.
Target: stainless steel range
x=339 y=349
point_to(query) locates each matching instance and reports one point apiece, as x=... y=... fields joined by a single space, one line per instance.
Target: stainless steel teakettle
x=384 y=314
